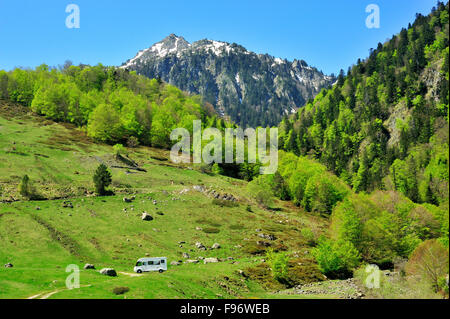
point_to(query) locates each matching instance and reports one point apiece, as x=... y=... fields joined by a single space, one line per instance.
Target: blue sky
x=327 y=34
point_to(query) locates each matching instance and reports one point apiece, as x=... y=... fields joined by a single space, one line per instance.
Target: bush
x=203 y=168
x=323 y=192
x=211 y=230
x=309 y=236
x=279 y=265
x=132 y=142
x=260 y=192
x=102 y=179
x=120 y=290
x=224 y=203
x=216 y=169
x=279 y=186
x=336 y=259
x=25 y=188
x=429 y=261
x=119 y=149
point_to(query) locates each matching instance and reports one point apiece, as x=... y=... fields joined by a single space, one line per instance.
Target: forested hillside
x=112 y=105
x=384 y=124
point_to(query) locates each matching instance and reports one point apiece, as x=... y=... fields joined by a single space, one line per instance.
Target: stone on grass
x=215 y=246
x=200 y=246
x=8 y=265
x=146 y=216
x=89 y=266
x=108 y=272
x=186 y=255
x=210 y=260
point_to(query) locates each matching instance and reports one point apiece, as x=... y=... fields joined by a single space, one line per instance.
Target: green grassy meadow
x=41 y=238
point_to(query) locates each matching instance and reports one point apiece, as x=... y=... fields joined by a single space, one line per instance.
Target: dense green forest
x=112 y=105
x=384 y=124
x=383 y=227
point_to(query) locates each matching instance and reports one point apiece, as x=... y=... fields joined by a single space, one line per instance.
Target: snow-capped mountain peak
x=252 y=89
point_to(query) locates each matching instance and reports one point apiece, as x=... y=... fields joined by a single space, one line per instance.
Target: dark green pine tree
x=102 y=179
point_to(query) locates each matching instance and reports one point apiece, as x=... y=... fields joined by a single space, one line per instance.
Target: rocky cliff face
x=252 y=89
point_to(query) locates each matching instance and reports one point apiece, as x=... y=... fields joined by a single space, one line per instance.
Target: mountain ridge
x=249 y=88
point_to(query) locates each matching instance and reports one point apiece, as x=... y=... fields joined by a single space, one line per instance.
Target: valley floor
x=73 y=227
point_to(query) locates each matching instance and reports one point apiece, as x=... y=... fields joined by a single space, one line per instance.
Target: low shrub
x=430 y=262
x=337 y=259
x=120 y=290
x=224 y=203
x=309 y=236
x=236 y=227
x=211 y=230
x=278 y=264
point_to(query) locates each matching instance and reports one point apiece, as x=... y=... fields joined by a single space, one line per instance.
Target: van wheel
x=161 y=270
x=139 y=271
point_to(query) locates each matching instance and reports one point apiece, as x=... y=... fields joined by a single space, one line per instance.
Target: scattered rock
x=198 y=228
x=175 y=263
x=215 y=246
x=242 y=273
x=160 y=213
x=89 y=266
x=9 y=265
x=268 y=237
x=186 y=255
x=38 y=208
x=200 y=246
x=67 y=204
x=262 y=243
x=198 y=188
x=108 y=272
x=191 y=261
x=146 y=216
x=210 y=260
x=127 y=200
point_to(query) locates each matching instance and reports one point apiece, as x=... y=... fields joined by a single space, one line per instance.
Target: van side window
x=162 y=261
x=158 y=262
x=150 y=262
x=145 y=263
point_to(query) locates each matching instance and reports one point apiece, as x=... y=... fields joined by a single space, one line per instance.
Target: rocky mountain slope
x=252 y=89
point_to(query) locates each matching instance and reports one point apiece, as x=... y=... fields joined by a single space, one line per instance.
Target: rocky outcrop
x=108 y=272
x=253 y=89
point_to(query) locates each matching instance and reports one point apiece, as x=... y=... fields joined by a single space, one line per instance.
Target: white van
x=151 y=264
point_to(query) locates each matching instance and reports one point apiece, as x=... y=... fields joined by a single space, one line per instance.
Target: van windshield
x=139 y=263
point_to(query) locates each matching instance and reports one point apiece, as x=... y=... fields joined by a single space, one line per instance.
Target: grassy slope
x=41 y=243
